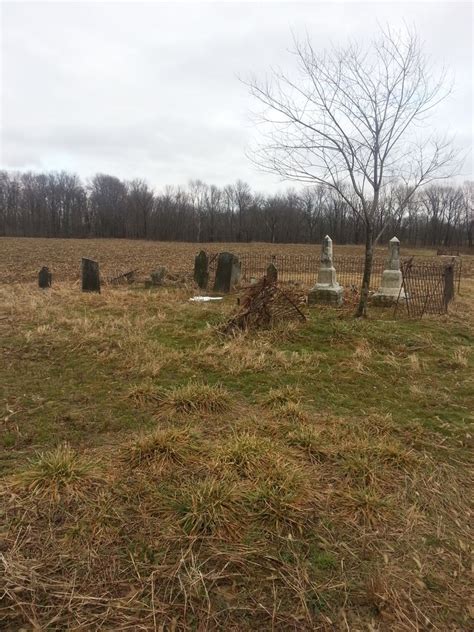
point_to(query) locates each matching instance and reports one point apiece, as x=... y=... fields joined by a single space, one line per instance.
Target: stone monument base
x=389 y=290
x=327 y=294
x=385 y=299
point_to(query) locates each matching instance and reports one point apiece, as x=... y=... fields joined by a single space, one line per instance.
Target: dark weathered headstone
x=201 y=270
x=272 y=273
x=227 y=273
x=90 y=276
x=45 y=278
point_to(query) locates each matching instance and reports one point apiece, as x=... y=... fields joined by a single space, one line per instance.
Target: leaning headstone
x=389 y=290
x=272 y=273
x=45 y=278
x=227 y=273
x=201 y=270
x=90 y=276
x=327 y=289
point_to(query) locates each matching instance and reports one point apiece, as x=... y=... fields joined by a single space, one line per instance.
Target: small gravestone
x=272 y=273
x=158 y=276
x=227 y=273
x=90 y=276
x=45 y=278
x=201 y=269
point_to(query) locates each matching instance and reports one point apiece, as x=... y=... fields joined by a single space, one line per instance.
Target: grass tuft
x=56 y=473
x=160 y=447
x=143 y=394
x=207 y=507
x=245 y=453
x=278 y=397
x=292 y=412
x=460 y=358
x=309 y=440
x=277 y=500
x=197 y=397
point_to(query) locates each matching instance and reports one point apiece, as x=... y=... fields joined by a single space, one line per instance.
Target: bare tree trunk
x=369 y=254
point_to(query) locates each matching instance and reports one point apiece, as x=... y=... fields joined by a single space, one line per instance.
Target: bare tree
x=108 y=198
x=214 y=197
x=239 y=199
x=314 y=201
x=350 y=116
x=197 y=196
x=468 y=210
x=140 y=206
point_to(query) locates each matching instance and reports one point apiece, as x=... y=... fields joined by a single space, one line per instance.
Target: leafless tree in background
x=140 y=206
x=59 y=204
x=468 y=210
x=356 y=116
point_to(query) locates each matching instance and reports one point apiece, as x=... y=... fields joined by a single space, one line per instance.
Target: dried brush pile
x=265 y=304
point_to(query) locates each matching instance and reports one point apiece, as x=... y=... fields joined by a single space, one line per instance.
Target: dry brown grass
x=312 y=478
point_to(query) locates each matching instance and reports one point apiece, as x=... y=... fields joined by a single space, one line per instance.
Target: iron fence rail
x=302 y=270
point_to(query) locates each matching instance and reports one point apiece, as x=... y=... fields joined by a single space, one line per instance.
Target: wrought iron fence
x=427 y=288
x=302 y=270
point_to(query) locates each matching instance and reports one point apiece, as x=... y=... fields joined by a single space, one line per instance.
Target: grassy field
x=158 y=476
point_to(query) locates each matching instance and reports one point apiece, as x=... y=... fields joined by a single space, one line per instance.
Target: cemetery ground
x=156 y=475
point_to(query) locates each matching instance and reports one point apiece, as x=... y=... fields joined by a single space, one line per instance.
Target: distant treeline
x=59 y=204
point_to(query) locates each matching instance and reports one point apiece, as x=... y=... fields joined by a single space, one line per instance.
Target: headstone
x=45 y=278
x=90 y=276
x=201 y=270
x=158 y=276
x=327 y=289
x=272 y=273
x=227 y=273
x=389 y=290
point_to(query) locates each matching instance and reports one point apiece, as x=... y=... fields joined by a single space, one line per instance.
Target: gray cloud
x=152 y=90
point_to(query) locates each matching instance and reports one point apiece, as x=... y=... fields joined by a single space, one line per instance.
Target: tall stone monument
x=389 y=290
x=327 y=289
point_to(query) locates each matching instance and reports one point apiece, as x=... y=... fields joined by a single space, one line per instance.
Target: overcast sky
x=151 y=89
